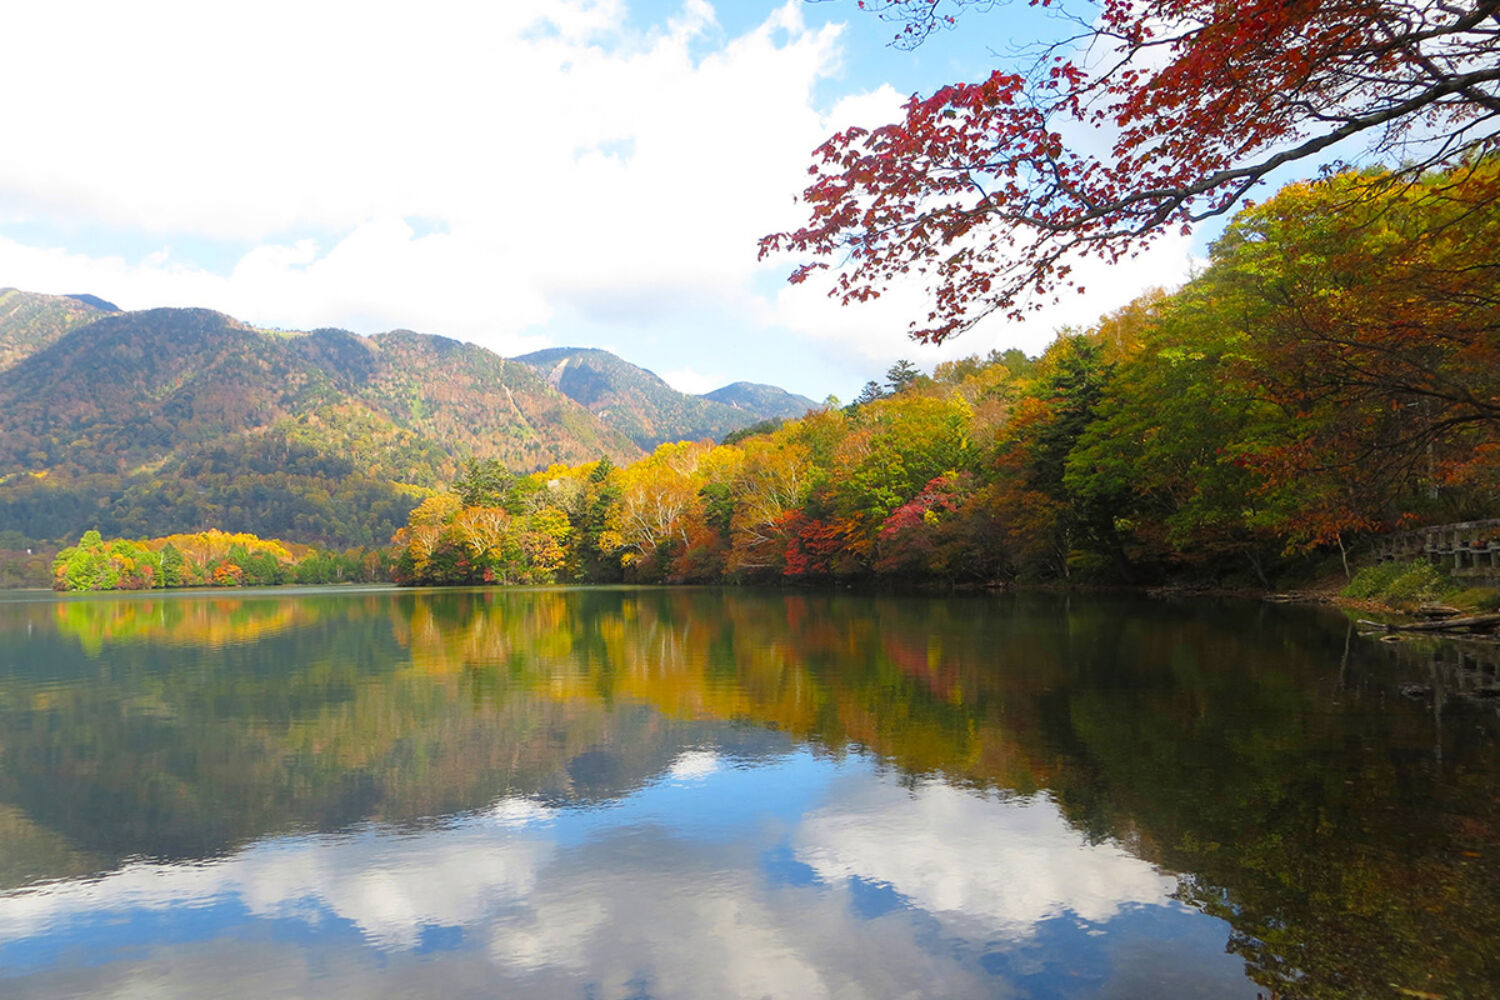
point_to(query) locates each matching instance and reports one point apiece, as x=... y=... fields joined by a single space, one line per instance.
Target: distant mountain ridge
x=163 y=420
x=767 y=402
x=179 y=419
x=640 y=404
x=95 y=301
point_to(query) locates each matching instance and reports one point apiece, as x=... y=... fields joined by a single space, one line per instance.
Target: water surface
x=705 y=793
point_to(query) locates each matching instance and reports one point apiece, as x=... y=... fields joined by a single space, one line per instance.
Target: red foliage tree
x=977 y=190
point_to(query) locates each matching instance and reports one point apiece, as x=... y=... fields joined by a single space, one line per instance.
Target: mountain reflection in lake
x=705 y=793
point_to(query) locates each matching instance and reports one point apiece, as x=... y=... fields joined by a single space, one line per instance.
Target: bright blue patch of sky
x=978 y=43
x=869 y=899
x=781 y=867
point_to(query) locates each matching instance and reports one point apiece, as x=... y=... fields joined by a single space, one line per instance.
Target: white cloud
x=697 y=383
x=1007 y=863
x=877 y=330
x=567 y=159
x=566 y=168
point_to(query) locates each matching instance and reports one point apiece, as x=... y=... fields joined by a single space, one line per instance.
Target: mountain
x=166 y=420
x=646 y=409
x=30 y=321
x=132 y=389
x=174 y=419
x=766 y=402
x=95 y=301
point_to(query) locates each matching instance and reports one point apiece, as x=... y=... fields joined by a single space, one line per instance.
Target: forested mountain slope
x=135 y=388
x=176 y=419
x=30 y=321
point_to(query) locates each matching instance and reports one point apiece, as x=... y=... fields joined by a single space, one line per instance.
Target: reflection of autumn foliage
x=179 y=622
x=811 y=670
x=1228 y=753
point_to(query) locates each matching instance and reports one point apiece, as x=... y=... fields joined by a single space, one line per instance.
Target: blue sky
x=590 y=172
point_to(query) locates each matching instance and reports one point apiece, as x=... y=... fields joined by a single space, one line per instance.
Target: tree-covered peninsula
x=206 y=559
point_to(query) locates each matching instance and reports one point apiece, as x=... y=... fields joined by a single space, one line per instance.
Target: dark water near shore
x=622 y=793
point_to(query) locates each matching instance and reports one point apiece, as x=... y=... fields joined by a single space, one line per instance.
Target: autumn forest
x=1330 y=376
x=1133 y=636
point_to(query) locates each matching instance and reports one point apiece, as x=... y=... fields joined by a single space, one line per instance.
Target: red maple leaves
x=977 y=191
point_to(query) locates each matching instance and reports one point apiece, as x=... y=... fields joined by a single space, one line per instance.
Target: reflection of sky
x=797 y=876
x=1008 y=865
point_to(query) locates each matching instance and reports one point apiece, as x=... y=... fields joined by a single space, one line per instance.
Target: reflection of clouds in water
x=514 y=811
x=391 y=892
x=387 y=885
x=687 y=929
x=634 y=907
x=690 y=919
x=548 y=935
x=628 y=915
x=1009 y=863
x=691 y=765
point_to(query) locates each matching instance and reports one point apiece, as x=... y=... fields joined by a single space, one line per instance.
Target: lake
x=630 y=793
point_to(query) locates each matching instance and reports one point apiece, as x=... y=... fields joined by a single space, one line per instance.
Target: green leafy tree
x=1166 y=450
x=174 y=571
x=901 y=375
x=484 y=483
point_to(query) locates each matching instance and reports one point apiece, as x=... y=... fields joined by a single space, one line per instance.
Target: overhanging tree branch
x=976 y=190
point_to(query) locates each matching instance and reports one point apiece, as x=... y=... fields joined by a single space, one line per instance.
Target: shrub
x=1399 y=583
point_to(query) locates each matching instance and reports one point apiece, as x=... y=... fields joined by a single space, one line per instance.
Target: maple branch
x=979 y=172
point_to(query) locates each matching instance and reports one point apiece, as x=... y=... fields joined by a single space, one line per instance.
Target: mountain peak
x=31 y=321
x=766 y=401
x=645 y=408
x=93 y=300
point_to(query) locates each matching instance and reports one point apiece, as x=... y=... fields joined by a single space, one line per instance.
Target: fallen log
x=1468 y=623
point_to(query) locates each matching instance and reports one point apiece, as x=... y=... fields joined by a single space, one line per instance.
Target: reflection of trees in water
x=1346 y=834
x=218 y=622
x=1343 y=830
x=1443 y=670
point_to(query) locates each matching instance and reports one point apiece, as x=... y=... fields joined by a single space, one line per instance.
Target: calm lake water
x=617 y=793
